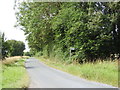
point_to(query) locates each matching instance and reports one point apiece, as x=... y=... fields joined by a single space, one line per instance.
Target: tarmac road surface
x=43 y=76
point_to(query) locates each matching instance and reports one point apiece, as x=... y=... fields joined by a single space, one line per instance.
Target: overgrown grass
x=13 y=59
x=104 y=72
x=0 y=75
x=14 y=74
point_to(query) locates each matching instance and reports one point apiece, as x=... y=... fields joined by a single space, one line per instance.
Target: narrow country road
x=43 y=76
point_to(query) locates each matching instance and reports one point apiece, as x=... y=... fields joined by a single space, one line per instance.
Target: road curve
x=43 y=76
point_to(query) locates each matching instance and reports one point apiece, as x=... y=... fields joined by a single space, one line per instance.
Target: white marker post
x=71 y=49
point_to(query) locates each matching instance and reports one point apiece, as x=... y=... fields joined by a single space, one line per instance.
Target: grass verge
x=0 y=75
x=104 y=72
x=14 y=74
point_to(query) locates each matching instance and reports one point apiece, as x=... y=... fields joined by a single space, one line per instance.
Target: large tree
x=90 y=27
x=3 y=46
x=15 y=48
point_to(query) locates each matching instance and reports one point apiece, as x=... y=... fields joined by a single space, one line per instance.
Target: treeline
x=92 y=28
x=10 y=48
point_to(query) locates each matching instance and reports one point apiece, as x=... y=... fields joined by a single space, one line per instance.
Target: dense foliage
x=92 y=28
x=27 y=54
x=15 y=48
x=3 y=46
x=10 y=47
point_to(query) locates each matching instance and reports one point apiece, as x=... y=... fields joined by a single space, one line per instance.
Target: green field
x=14 y=75
x=104 y=72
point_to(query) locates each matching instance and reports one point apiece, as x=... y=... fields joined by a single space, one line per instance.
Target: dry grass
x=14 y=75
x=12 y=59
x=104 y=72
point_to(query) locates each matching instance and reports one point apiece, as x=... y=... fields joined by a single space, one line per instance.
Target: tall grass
x=13 y=59
x=0 y=75
x=104 y=72
x=14 y=74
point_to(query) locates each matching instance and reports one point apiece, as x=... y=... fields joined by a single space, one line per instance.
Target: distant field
x=104 y=72
x=14 y=74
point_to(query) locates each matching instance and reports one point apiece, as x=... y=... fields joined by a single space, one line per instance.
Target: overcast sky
x=8 y=20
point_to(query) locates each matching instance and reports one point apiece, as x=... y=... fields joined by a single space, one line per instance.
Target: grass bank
x=0 y=75
x=105 y=72
x=14 y=74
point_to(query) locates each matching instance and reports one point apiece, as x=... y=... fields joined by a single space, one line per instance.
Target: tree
x=27 y=54
x=16 y=48
x=3 y=46
x=90 y=27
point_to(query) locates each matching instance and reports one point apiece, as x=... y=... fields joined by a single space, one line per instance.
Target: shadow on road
x=29 y=67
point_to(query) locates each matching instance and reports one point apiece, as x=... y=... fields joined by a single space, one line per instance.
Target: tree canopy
x=92 y=28
x=10 y=47
x=15 y=48
x=3 y=46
